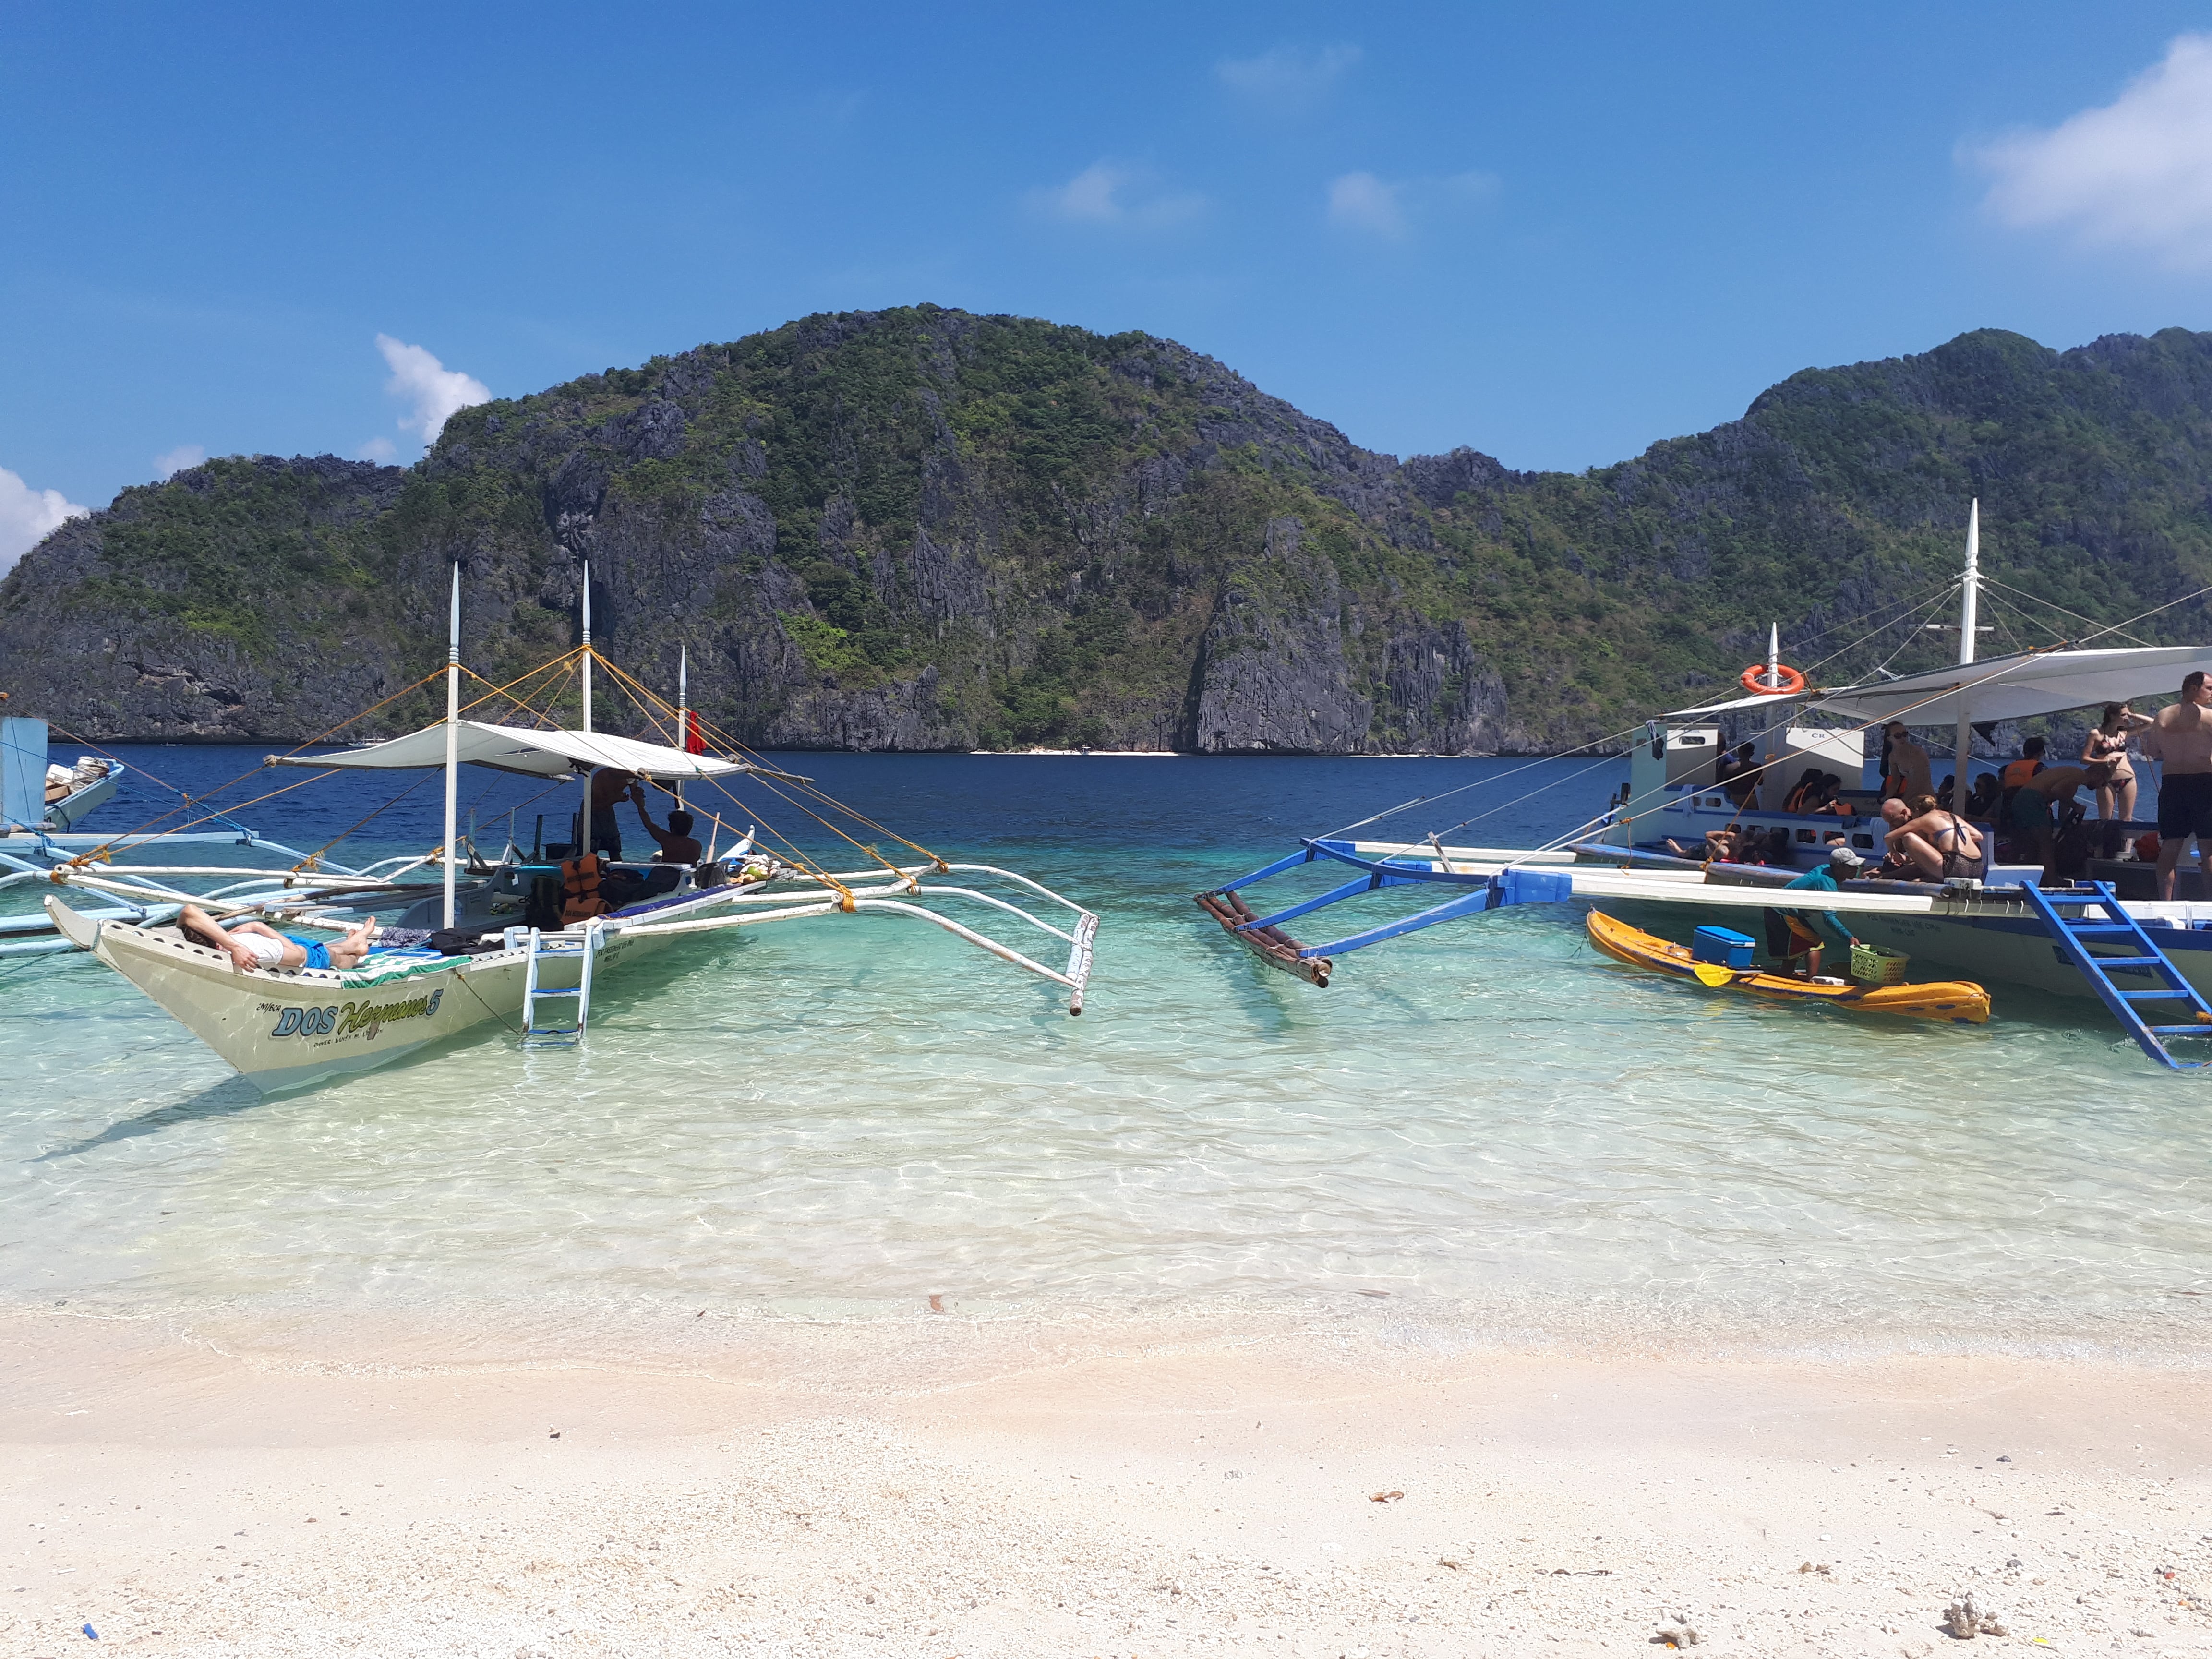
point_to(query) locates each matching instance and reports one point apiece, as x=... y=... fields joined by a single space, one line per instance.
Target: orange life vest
x=2019 y=772
x=580 y=888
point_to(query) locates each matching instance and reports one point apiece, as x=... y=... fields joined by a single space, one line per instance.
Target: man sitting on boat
x=1936 y=845
x=677 y=844
x=2181 y=739
x=1737 y=776
x=251 y=945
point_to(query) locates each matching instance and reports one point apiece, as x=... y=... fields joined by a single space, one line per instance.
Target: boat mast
x=683 y=707
x=1774 y=656
x=452 y=733
x=1969 y=604
x=583 y=844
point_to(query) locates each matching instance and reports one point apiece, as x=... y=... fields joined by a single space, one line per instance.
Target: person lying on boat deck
x=1721 y=847
x=1806 y=932
x=251 y=945
x=2030 y=812
x=1737 y=774
x=2181 y=739
x=677 y=843
x=1907 y=767
x=608 y=785
x=1938 y=845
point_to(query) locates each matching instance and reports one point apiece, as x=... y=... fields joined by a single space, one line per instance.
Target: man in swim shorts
x=2180 y=738
x=251 y=945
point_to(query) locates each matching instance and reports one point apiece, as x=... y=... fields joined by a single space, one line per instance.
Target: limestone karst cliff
x=922 y=529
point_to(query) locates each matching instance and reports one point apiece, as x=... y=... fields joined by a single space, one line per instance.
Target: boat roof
x=540 y=753
x=2018 y=687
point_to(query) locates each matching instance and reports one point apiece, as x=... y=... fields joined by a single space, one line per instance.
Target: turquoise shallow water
x=1510 y=1134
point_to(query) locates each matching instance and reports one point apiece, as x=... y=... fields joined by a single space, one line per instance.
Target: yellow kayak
x=1960 y=1001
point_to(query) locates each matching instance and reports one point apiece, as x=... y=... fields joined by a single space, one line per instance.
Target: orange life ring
x=1753 y=679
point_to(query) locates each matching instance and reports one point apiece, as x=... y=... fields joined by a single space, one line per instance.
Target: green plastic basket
x=1871 y=965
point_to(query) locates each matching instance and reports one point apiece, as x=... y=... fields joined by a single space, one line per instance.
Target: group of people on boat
x=588 y=887
x=2032 y=804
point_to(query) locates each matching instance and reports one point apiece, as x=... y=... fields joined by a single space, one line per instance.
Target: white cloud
x=1288 y=76
x=379 y=449
x=2133 y=173
x=1105 y=193
x=437 y=393
x=26 y=515
x=182 y=458
x=1390 y=209
x=1360 y=201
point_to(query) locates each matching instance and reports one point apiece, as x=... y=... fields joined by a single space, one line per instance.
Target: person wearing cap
x=1809 y=930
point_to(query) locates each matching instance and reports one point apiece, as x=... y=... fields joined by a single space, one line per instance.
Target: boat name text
x=347 y=1019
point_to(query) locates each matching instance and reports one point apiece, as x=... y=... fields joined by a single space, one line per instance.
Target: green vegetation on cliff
x=921 y=528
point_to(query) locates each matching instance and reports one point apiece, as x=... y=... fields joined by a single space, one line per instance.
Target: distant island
x=921 y=529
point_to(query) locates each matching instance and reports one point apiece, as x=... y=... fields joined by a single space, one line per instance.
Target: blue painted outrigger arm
x=1510 y=886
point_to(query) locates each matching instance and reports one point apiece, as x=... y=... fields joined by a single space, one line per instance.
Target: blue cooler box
x=1723 y=947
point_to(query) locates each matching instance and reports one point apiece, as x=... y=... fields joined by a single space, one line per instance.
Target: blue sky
x=1557 y=234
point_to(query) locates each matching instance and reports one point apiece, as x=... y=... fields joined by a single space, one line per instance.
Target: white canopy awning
x=542 y=754
x=2012 y=688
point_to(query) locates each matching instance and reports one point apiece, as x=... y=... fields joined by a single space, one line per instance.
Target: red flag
x=693 y=743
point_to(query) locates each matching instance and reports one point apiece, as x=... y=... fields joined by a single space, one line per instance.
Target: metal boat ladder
x=580 y=949
x=2138 y=955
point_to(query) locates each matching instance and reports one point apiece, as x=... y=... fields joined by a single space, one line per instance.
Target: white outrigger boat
x=2148 y=961
x=281 y=1029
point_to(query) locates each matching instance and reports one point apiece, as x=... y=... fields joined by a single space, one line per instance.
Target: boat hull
x=73 y=808
x=1955 y=1002
x=286 y=1029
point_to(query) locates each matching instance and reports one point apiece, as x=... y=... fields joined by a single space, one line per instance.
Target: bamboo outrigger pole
x=452 y=733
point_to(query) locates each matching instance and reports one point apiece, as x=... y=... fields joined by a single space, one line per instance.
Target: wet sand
x=946 y=1487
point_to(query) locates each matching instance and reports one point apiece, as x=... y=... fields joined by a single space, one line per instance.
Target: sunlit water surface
x=1510 y=1134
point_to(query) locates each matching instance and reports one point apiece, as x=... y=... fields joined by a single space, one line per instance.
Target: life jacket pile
x=580 y=888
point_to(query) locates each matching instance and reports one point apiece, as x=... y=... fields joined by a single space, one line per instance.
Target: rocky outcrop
x=1272 y=674
x=921 y=529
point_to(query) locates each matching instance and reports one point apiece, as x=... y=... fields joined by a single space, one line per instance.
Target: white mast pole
x=583 y=812
x=683 y=707
x=1969 y=605
x=1774 y=656
x=452 y=733
x=587 y=644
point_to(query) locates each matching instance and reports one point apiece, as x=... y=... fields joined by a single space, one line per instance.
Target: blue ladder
x=580 y=949
x=2117 y=927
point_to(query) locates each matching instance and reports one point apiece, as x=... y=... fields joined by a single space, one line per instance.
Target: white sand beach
x=942 y=1487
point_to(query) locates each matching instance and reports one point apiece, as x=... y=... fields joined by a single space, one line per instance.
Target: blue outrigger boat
x=2149 y=961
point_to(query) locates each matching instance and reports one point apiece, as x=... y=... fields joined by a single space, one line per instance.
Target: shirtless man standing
x=610 y=784
x=2181 y=739
x=1908 y=776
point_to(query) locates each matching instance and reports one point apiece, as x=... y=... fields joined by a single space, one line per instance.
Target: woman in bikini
x=1936 y=844
x=2108 y=746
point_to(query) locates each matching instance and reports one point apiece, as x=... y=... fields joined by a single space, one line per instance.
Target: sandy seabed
x=947 y=1486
